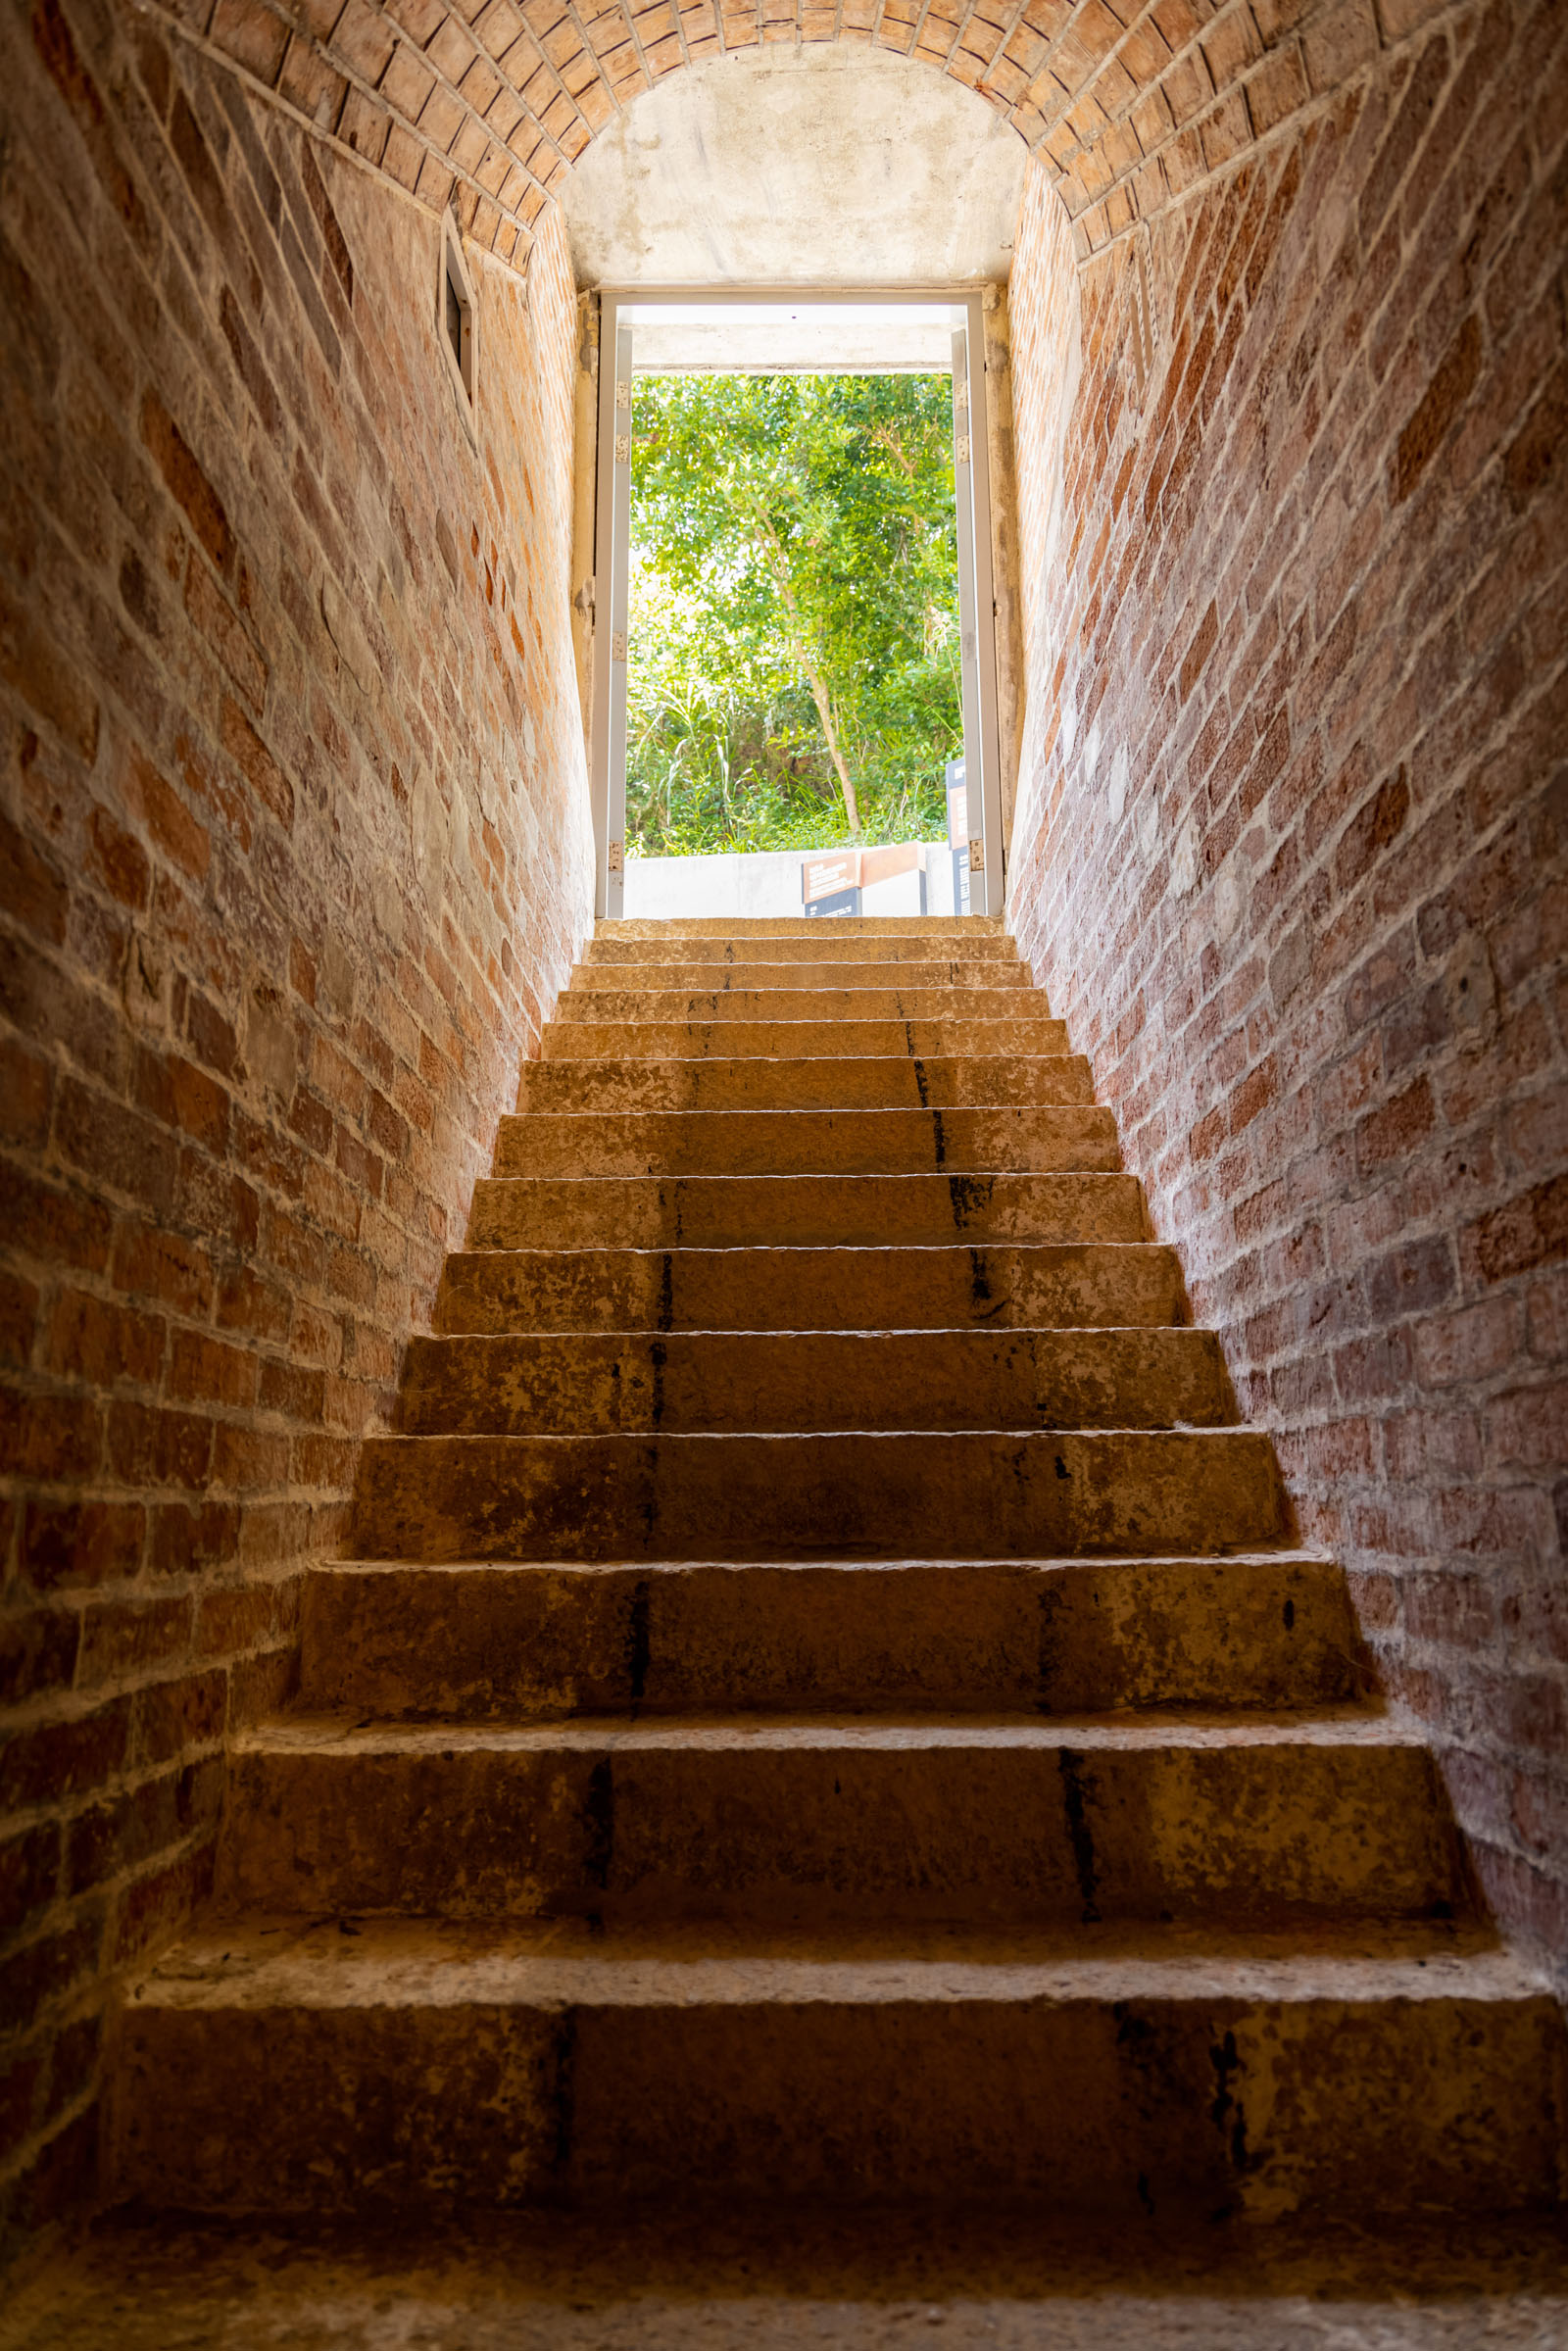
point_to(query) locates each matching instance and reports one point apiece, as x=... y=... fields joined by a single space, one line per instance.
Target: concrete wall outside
x=766 y=882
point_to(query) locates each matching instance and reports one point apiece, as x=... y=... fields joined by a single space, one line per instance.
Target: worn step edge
x=797 y=1040
x=987 y=1140
x=760 y=976
x=841 y=943
x=908 y=1289
x=1200 y=1491
x=513 y=1383
x=863 y=1003
x=405 y=2065
x=1325 y=1817
x=922 y=1210
x=814 y=1082
x=1269 y=1628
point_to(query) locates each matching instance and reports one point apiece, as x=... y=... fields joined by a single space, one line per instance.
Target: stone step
x=881 y=1496
x=806 y=1040
x=832 y=1082
x=1025 y=1140
x=291 y=2068
x=760 y=977
x=1053 y=1286
x=815 y=1823
x=855 y=1211
x=862 y=1002
x=837 y=945
x=517 y=1383
x=1255 y=1630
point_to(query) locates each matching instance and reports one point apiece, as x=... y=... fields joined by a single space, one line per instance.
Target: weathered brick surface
x=1290 y=848
x=293 y=835
x=1131 y=105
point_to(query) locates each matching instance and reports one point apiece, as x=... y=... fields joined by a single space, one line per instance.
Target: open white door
x=752 y=322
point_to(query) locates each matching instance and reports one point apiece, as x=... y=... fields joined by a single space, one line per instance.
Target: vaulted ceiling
x=489 y=103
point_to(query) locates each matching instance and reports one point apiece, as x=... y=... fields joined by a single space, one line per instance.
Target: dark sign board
x=830 y=882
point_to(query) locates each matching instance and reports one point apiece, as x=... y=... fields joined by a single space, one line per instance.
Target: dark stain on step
x=938 y=1138
x=638 y=1649
x=920 y=1080
x=1062 y=1470
x=599 y=1825
x=1226 y=2113
x=1079 y=1789
x=968 y=1193
x=982 y=1305
x=1048 y=1654
x=659 y=1356
x=564 y=2094
x=666 y=1294
x=1290 y=1616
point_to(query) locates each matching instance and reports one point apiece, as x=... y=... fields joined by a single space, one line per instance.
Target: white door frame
x=607 y=766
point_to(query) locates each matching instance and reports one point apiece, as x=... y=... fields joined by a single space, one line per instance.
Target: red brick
x=66 y=1759
x=33 y=892
x=95 y=1339
x=37 y=1653
x=187 y=484
x=176 y=1717
x=174 y=829
x=55 y=1438
x=256 y=764
x=1450 y=387
x=151 y=1911
x=1398 y=1128
x=163 y=1265
x=1530 y=1230
x=80 y=1542
x=118 y=859
x=43 y=1970
x=152 y=1447
x=124 y=1637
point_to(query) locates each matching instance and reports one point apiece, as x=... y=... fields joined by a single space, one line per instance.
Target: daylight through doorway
x=795 y=544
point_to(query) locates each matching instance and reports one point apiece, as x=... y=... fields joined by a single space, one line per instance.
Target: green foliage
x=793 y=672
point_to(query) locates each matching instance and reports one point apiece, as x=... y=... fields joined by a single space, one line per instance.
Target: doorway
x=758 y=332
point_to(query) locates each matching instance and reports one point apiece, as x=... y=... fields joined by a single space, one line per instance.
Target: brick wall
x=1289 y=848
x=295 y=852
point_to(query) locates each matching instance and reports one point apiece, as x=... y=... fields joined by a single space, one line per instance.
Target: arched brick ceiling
x=489 y=102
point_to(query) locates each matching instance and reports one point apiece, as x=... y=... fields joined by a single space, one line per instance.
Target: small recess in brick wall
x=1141 y=323
x=458 y=321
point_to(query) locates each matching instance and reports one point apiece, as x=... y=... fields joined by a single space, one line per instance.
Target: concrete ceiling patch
x=794 y=167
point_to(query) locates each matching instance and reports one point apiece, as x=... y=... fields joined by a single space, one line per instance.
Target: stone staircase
x=825 y=1704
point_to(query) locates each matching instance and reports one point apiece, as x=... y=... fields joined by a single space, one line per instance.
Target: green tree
x=794 y=644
